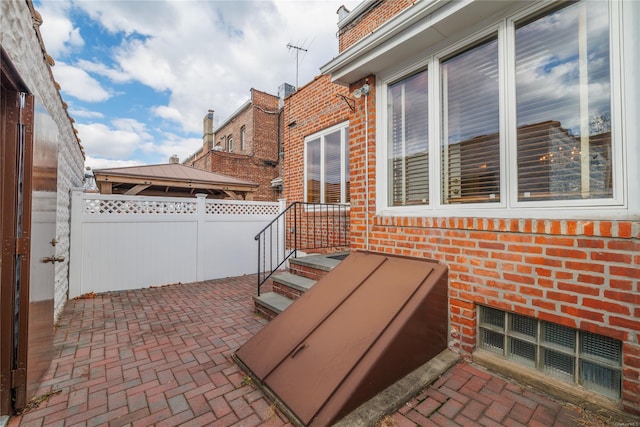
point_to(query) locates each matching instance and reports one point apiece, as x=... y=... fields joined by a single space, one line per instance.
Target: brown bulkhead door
x=368 y=323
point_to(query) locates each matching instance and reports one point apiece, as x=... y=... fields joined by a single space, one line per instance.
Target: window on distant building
x=327 y=165
x=520 y=117
x=230 y=143
x=243 y=141
x=591 y=360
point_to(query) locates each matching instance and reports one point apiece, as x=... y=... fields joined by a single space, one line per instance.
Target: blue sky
x=139 y=76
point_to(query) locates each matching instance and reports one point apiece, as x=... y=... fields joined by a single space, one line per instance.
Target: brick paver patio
x=162 y=356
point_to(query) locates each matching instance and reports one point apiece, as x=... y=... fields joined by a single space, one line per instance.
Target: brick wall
x=314 y=107
x=582 y=274
x=232 y=128
x=369 y=21
x=265 y=125
x=259 y=161
x=246 y=167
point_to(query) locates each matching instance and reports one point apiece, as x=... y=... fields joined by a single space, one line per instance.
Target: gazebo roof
x=172 y=179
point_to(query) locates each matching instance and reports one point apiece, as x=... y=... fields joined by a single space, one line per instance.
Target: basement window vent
x=590 y=360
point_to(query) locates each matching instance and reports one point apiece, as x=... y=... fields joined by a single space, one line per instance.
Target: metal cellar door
x=368 y=323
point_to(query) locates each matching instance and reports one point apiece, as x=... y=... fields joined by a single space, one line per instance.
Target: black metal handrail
x=301 y=226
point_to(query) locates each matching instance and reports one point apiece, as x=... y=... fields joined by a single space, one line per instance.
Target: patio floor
x=162 y=356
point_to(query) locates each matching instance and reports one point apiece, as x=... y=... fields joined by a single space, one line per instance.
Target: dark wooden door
x=16 y=156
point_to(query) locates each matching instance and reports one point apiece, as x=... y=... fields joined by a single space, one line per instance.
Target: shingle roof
x=174 y=171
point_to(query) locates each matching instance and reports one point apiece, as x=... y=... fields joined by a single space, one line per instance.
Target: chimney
x=284 y=90
x=207 y=136
x=174 y=159
x=342 y=13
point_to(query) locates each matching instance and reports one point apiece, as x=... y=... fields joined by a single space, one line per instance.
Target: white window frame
x=243 y=142
x=230 y=143
x=344 y=159
x=509 y=207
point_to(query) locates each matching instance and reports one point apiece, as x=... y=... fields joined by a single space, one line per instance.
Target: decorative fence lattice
x=148 y=207
x=217 y=208
x=127 y=206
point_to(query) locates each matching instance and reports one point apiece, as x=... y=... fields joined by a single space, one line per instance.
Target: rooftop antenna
x=298 y=49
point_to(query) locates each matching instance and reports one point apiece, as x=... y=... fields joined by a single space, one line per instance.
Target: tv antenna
x=298 y=49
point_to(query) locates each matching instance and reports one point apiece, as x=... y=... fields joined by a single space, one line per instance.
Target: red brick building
x=246 y=145
x=316 y=131
x=496 y=138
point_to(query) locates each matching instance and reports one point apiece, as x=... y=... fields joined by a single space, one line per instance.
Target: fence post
x=201 y=216
x=75 y=243
x=282 y=236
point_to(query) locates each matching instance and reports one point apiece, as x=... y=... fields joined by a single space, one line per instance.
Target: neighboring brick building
x=510 y=154
x=316 y=110
x=246 y=145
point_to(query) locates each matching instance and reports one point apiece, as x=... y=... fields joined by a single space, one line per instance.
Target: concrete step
x=315 y=267
x=294 y=281
x=270 y=304
x=289 y=285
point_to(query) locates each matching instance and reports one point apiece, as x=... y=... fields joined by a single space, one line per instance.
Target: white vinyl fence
x=130 y=242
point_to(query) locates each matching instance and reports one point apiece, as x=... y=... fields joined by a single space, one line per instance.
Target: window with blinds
x=333 y=168
x=408 y=150
x=563 y=103
x=471 y=125
x=312 y=171
x=327 y=166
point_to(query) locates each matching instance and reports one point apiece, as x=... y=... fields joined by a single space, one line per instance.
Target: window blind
x=563 y=104
x=470 y=125
x=332 y=167
x=408 y=141
x=313 y=171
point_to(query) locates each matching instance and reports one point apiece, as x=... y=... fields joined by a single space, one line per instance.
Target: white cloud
x=84 y=113
x=208 y=54
x=116 y=76
x=102 y=141
x=101 y=163
x=170 y=144
x=198 y=55
x=79 y=84
x=167 y=113
x=62 y=37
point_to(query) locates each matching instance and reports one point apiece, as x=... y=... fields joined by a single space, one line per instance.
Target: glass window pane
x=563 y=104
x=491 y=316
x=558 y=364
x=470 y=126
x=599 y=347
x=492 y=341
x=408 y=141
x=522 y=351
x=313 y=171
x=332 y=167
x=600 y=379
x=523 y=325
x=559 y=336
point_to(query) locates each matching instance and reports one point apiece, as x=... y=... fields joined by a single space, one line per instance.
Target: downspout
x=365 y=92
